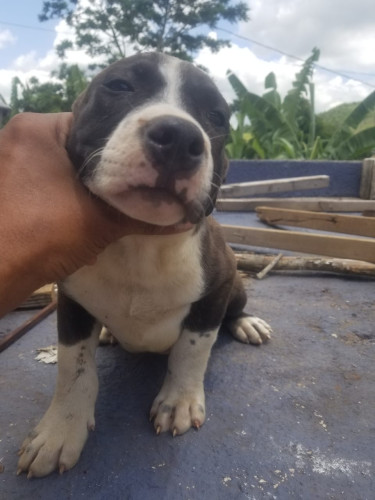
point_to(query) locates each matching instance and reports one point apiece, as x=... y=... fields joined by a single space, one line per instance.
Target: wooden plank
x=318 y=244
x=274 y=186
x=26 y=326
x=319 y=204
x=367 y=187
x=349 y=224
x=40 y=298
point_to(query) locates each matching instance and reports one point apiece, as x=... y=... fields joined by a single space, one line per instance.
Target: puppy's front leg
x=180 y=403
x=58 y=439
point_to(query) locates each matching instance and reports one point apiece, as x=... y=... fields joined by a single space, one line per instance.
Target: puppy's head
x=148 y=138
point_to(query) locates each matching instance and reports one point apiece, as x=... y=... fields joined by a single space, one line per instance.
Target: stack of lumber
x=359 y=247
x=355 y=244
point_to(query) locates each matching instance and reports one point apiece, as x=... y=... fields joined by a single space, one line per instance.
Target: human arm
x=50 y=225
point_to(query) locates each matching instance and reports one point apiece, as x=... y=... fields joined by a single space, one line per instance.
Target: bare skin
x=50 y=225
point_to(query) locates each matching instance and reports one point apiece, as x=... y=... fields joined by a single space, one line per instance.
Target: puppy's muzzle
x=174 y=144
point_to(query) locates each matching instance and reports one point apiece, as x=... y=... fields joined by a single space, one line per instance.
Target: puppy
x=148 y=138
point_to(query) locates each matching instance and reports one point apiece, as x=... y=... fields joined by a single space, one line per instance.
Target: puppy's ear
x=72 y=144
x=218 y=179
x=79 y=102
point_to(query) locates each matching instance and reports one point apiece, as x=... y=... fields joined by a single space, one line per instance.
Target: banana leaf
x=357 y=146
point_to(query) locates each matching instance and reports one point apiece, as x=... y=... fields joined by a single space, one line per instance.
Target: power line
x=268 y=47
x=251 y=40
x=24 y=26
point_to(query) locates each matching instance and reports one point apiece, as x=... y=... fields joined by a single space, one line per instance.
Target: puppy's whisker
x=89 y=159
x=215 y=186
x=217 y=136
x=219 y=179
x=211 y=202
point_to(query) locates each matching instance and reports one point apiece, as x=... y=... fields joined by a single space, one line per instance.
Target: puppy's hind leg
x=244 y=327
x=58 y=439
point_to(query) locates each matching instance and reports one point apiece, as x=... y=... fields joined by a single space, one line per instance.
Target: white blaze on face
x=126 y=178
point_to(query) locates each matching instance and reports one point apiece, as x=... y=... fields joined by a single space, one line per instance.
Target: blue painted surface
x=345 y=176
x=291 y=419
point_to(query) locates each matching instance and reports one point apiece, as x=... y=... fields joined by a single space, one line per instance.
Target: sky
x=278 y=34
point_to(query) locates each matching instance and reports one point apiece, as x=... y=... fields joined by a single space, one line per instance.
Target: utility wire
x=251 y=40
x=24 y=26
x=268 y=47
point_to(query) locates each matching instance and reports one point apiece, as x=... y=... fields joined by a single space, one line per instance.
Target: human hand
x=50 y=224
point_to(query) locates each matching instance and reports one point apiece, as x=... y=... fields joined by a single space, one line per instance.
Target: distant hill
x=329 y=121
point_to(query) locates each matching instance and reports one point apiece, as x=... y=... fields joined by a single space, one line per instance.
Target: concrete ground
x=294 y=418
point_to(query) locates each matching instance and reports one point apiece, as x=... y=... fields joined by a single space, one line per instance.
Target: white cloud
x=32 y=64
x=6 y=38
x=251 y=69
x=343 y=30
x=7 y=75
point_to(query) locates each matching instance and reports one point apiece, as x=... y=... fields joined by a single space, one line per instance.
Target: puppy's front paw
x=55 y=443
x=250 y=330
x=178 y=410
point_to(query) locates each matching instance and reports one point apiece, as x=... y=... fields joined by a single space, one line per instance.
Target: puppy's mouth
x=157 y=205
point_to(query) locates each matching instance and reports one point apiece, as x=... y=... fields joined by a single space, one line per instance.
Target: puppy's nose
x=174 y=143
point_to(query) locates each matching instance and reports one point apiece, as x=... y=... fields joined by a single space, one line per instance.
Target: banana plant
x=277 y=128
x=349 y=143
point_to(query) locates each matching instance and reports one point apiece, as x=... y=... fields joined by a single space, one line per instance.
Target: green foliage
x=108 y=28
x=288 y=128
x=48 y=97
x=74 y=82
x=329 y=121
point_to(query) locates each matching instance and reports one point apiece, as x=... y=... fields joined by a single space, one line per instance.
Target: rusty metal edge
x=27 y=325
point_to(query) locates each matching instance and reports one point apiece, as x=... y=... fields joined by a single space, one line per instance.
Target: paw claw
x=178 y=411
x=250 y=330
x=19 y=471
x=62 y=469
x=29 y=475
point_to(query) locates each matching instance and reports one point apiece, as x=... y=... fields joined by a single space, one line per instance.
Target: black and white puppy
x=148 y=138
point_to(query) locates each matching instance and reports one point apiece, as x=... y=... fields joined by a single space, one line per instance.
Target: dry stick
x=269 y=267
x=256 y=262
x=26 y=326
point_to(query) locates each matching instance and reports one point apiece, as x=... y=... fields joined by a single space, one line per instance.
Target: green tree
x=49 y=97
x=269 y=127
x=74 y=81
x=108 y=28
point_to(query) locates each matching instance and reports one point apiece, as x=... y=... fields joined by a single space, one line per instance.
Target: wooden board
x=319 y=204
x=349 y=224
x=367 y=187
x=318 y=244
x=274 y=186
x=40 y=298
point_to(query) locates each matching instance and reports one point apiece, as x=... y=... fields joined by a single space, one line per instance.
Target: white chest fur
x=141 y=288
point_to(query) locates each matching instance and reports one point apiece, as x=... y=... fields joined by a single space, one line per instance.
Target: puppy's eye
x=119 y=85
x=217 y=118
